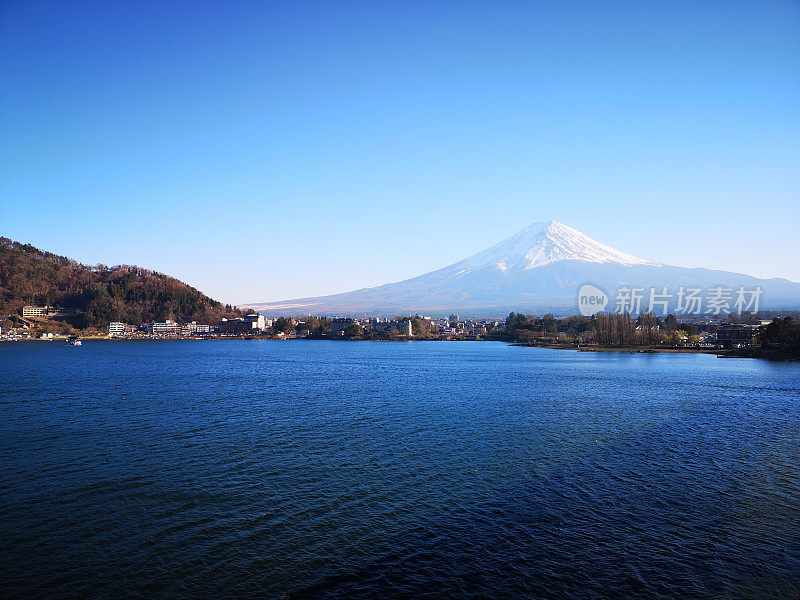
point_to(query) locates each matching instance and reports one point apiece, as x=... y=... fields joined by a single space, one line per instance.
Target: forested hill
x=101 y=294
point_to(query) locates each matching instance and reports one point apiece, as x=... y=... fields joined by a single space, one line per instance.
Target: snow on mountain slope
x=544 y=243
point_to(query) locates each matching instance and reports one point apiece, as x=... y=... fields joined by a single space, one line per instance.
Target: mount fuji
x=539 y=269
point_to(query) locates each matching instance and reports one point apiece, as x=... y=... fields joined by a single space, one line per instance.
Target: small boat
x=75 y=342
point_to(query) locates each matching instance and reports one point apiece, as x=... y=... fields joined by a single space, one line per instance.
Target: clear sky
x=263 y=151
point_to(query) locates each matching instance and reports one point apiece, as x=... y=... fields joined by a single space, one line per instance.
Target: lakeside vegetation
x=601 y=331
x=779 y=338
x=421 y=328
x=781 y=334
x=611 y=330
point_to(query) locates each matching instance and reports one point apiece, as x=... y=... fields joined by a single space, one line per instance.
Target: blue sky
x=263 y=151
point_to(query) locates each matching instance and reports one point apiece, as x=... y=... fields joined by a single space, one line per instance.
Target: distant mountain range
x=539 y=269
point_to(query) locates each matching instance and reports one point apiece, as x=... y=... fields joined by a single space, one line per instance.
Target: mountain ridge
x=539 y=268
x=101 y=294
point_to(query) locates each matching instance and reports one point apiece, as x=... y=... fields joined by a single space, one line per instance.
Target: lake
x=324 y=469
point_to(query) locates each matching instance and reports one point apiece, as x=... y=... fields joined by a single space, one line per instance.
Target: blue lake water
x=304 y=469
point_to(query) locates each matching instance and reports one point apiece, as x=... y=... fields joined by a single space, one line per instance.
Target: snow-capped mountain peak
x=544 y=243
x=539 y=269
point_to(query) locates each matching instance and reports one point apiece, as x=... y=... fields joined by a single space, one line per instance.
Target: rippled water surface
x=409 y=470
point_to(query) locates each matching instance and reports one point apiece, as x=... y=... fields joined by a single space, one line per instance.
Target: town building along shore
x=704 y=333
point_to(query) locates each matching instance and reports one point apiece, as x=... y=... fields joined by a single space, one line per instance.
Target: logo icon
x=591 y=300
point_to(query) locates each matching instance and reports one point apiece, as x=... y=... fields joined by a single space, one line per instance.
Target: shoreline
x=771 y=354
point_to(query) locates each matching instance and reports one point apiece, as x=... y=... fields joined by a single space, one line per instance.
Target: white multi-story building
x=46 y=311
x=194 y=328
x=166 y=327
x=255 y=321
x=34 y=311
x=118 y=329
